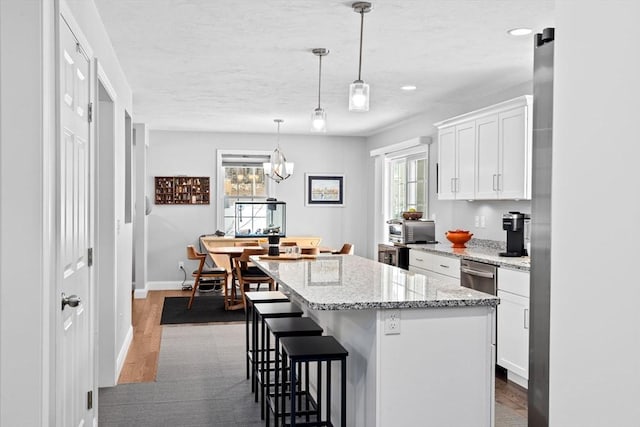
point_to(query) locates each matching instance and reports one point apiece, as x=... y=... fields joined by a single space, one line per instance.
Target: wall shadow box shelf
x=182 y=190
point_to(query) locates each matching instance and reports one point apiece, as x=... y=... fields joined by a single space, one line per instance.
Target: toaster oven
x=411 y=231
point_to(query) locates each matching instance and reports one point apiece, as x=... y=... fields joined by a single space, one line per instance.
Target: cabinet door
x=487 y=157
x=466 y=155
x=513 y=333
x=446 y=163
x=514 y=149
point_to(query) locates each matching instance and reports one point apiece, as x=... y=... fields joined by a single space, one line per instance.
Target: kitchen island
x=433 y=366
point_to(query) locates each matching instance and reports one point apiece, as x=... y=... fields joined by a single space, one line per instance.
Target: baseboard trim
x=140 y=293
x=157 y=286
x=164 y=286
x=122 y=354
x=515 y=378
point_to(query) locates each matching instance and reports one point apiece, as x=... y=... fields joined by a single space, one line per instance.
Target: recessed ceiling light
x=520 y=31
x=408 y=87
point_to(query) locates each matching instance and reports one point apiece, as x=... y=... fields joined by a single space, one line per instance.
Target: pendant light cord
x=361 y=32
x=319 y=78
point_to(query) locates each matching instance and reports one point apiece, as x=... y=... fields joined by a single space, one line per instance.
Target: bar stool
x=296 y=350
x=262 y=312
x=262 y=297
x=279 y=328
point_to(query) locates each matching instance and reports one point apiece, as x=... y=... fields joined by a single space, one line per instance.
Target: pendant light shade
x=359 y=90
x=319 y=120
x=278 y=168
x=319 y=116
x=358 y=96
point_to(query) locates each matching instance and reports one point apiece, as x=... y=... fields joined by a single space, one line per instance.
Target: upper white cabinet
x=456 y=160
x=486 y=154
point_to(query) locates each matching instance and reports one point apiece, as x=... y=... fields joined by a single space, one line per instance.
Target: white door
x=74 y=364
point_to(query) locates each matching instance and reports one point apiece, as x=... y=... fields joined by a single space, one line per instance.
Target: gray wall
x=171 y=228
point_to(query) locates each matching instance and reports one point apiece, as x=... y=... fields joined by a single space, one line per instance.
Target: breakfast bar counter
x=420 y=348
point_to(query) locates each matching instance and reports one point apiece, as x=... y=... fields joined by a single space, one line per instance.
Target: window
x=407 y=184
x=241 y=179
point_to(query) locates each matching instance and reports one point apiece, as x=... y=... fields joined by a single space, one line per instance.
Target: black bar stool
x=279 y=328
x=262 y=312
x=251 y=298
x=295 y=351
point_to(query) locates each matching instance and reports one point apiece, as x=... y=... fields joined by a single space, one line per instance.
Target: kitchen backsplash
x=462 y=214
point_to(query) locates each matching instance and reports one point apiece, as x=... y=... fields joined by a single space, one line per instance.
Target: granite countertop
x=350 y=282
x=480 y=250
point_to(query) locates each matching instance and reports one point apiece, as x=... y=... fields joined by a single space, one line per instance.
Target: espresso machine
x=516 y=225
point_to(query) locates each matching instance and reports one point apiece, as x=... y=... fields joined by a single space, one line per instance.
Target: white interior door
x=74 y=364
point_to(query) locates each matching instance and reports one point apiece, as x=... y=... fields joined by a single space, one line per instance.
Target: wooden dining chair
x=310 y=251
x=246 y=274
x=205 y=272
x=347 y=249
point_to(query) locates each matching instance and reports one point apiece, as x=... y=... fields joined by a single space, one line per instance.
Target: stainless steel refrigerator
x=540 y=277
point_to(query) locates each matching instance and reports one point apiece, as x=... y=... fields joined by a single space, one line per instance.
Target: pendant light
x=319 y=116
x=359 y=90
x=278 y=169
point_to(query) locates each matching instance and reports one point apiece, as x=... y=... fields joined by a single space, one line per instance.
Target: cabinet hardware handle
x=444 y=266
x=499 y=186
x=526 y=318
x=452 y=185
x=494 y=182
x=419 y=259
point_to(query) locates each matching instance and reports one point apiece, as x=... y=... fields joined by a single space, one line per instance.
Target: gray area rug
x=201 y=382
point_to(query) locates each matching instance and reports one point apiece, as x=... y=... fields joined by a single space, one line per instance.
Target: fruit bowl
x=458 y=237
x=411 y=215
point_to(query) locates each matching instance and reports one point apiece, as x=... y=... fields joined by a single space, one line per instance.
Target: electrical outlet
x=392 y=322
x=180 y=265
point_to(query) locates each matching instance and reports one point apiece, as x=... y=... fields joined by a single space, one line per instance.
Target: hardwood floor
x=510 y=394
x=142 y=360
x=141 y=364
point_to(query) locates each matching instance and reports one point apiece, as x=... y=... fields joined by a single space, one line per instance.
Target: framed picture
x=324 y=190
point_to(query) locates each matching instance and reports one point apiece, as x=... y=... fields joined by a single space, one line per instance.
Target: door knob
x=71 y=300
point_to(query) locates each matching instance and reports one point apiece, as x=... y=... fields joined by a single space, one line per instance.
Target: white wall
x=27 y=138
x=452 y=214
x=172 y=228
x=594 y=374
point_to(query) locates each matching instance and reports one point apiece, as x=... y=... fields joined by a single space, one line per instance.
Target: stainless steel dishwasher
x=479 y=276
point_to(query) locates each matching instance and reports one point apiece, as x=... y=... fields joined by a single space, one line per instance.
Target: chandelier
x=278 y=169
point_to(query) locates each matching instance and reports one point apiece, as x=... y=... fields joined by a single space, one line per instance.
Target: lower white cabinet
x=434 y=265
x=513 y=324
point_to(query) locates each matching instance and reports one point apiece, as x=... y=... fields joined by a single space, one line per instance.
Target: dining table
x=223 y=257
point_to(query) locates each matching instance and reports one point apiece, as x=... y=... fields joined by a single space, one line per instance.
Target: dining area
x=227 y=262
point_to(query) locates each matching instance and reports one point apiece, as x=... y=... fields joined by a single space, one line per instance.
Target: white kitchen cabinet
x=456 y=146
x=447 y=163
x=513 y=324
x=488 y=159
x=435 y=265
x=486 y=154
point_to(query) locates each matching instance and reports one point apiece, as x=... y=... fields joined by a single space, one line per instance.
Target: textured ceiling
x=234 y=66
